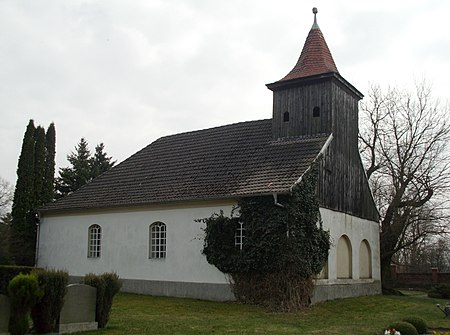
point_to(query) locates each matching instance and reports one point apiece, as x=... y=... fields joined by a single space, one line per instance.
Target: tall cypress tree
x=34 y=187
x=23 y=228
x=39 y=165
x=48 y=190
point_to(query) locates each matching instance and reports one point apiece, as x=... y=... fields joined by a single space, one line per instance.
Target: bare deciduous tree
x=6 y=196
x=403 y=142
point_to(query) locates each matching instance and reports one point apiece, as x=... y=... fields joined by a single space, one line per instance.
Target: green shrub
x=418 y=323
x=8 y=272
x=108 y=285
x=46 y=312
x=405 y=328
x=440 y=291
x=24 y=293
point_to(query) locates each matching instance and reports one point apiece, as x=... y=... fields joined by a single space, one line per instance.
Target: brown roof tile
x=230 y=161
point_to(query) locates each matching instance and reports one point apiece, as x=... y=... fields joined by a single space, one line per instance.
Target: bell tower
x=313 y=99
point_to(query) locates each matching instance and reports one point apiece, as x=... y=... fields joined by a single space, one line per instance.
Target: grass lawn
x=138 y=314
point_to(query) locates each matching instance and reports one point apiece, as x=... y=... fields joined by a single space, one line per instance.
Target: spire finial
x=315 y=25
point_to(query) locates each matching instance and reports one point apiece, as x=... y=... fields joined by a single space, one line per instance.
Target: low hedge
x=8 y=272
x=108 y=285
x=405 y=328
x=45 y=313
x=418 y=323
x=24 y=292
x=440 y=291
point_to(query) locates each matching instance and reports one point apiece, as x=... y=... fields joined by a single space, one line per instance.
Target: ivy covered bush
x=284 y=246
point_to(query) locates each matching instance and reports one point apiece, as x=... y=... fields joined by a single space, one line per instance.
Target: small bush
x=24 y=293
x=108 y=285
x=405 y=328
x=440 y=291
x=9 y=272
x=418 y=323
x=46 y=312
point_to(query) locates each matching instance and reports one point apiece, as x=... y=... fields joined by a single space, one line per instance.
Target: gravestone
x=4 y=314
x=78 y=312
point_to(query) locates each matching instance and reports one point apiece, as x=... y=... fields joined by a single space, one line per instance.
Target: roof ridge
x=212 y=128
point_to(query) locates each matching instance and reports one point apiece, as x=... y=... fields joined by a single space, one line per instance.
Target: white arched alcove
x=365 y=260
x=344 y=258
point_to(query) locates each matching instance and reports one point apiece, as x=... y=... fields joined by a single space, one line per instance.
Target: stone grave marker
x=78 y=312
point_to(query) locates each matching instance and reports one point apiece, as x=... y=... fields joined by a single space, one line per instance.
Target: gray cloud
x=127 y=73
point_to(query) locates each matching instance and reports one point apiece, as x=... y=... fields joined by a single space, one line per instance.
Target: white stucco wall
x=125 y=243
x=357 y=230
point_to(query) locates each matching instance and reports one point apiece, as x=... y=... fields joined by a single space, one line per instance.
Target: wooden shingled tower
x=314 y=100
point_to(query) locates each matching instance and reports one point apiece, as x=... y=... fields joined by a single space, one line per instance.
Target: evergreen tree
x=34 y=187
x=100 y=162
x=23 y=227
x=79 y=173
x=39 y=165
x=48 y=188
x=83 y=168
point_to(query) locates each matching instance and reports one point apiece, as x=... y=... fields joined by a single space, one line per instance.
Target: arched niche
x=344 y=258
x=365 y=260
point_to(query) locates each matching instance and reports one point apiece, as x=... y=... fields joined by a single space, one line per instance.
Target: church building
x=140 y=219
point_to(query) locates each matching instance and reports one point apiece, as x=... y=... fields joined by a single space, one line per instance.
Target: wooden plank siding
x=299 y=102
x=343 y=185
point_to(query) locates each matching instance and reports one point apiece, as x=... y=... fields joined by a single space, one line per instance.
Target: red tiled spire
x=315 y=57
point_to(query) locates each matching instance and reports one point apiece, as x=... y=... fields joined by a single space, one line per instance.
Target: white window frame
x=94 y=241
x=239 y=235
x=158 y=240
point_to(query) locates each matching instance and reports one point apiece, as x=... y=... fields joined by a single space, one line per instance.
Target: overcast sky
x=127 y=72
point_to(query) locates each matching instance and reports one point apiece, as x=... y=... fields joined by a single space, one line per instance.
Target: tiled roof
x=224 y=162
x=315 y=58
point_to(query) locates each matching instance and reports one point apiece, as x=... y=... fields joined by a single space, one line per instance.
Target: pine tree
x=48 y=189
x=100 y=162
x=83 y=168
x=79 y=173
x=23 y=228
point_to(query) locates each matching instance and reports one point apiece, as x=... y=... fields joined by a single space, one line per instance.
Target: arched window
x=286 y=117
x=365 y=260
x=344 y=258
x=94 y=241
x=157 y=240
